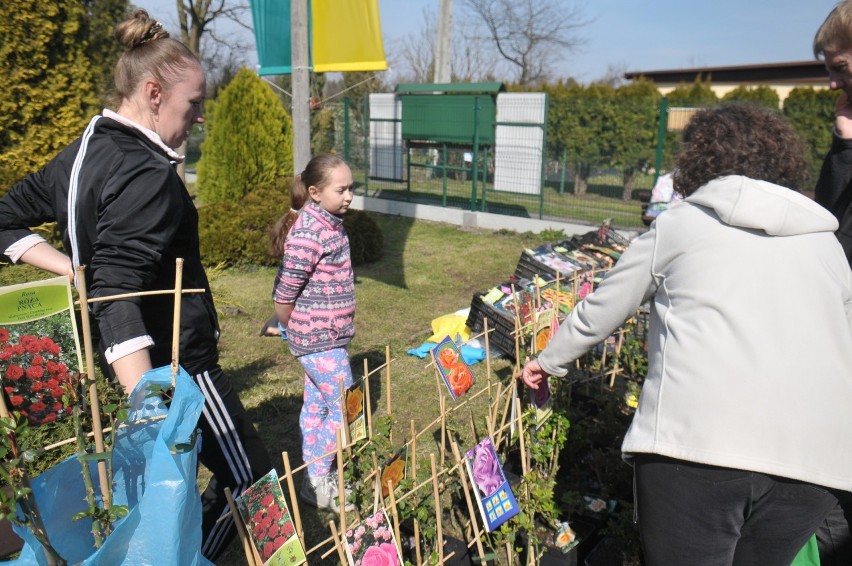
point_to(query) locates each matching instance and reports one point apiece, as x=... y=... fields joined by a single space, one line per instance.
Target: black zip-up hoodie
x=134 y=217
x=834 y=189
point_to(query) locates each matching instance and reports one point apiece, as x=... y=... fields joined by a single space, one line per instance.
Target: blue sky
x=645 y=35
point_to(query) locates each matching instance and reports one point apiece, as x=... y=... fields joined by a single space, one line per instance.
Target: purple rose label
x=495 y=499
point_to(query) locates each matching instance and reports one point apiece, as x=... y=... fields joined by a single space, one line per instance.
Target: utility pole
x=443 y=47
x=301 y=85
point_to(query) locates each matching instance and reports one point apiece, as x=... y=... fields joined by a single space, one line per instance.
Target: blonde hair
x=150 y=53
x=836 y=31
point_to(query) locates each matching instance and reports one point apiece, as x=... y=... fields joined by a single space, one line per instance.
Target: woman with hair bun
x=124 y=212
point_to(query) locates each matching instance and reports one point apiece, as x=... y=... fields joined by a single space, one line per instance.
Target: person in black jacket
x=833 y=44
x=125 y=214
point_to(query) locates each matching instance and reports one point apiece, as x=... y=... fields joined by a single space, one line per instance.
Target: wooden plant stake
x=368 y=406
x=341 y=490
x=505 y=413
x=388 y=377
x=294 y=505
x=338 y=542
x=413 y=467
x=487 y=356
x=470 y=508
x=493 y=405
x=616 y=367
x=439 y=535
x=443 y=408
x=417 y=542
x=344 y=411
x=377 y=485
x=176 y=317
x=524 y=466
x=252 y=556
x=94 y=404
x=394 y=514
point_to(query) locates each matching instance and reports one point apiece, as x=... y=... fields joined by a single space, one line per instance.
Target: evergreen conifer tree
x=47 y=92
x=249 y=142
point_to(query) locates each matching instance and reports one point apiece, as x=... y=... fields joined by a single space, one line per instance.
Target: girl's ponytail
x=278 y=234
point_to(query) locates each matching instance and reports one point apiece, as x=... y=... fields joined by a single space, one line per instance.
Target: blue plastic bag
x=154 y=467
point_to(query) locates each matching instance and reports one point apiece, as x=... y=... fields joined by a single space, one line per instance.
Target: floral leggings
x=322 y=409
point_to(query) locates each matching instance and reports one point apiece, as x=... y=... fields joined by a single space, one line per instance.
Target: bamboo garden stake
x=176 y=317
x=470 y=508
x=394 y=513
x=341 y=490
x=439 y=536
x=388 y=375
x=94 y=404
x=250 y=551
x=338 y=542
x=294 y=504
x=367 y=406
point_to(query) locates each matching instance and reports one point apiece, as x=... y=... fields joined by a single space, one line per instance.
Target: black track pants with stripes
x=233 y=452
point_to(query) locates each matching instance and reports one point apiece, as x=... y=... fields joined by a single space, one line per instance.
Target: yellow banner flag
x=347 y=36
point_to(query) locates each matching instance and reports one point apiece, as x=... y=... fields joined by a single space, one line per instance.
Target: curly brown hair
x=739 y=139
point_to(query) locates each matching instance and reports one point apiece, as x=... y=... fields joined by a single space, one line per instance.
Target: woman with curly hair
x=742 y=433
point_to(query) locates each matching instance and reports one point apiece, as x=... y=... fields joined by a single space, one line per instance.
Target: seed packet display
x=494 y=497
x=355 y=412
x=39 y=348
x=372 y=542
x=267 y=519
x=452 y=367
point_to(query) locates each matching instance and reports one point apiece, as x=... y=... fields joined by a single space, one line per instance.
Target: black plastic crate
x=502 y=322
x=529 y=266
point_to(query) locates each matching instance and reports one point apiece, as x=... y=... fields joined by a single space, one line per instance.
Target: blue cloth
x=470 y=354
x=154 y=467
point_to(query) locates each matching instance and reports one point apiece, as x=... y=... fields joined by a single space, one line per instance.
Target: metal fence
x=446 y=155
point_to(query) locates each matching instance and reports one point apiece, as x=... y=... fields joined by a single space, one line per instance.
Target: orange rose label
x=448 y=358
x=460 y=378
x=394 y=473
x=354 y=405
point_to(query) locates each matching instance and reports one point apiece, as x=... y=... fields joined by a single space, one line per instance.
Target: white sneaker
x=322 y=492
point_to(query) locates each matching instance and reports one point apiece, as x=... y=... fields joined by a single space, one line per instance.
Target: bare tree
x=415 y=53
x=530 y=34
x=197 y=19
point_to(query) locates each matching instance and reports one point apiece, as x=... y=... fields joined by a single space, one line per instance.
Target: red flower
x=27 y=339
x=49 y=418
x=16 y=400
x=4 y=335
x=56 y=392
x=14 y=372
x=267 y=500
x=38 y=407
x=33 y=347
x=17 y=349
x=51 y=383
x=36 y=385
x=273 y=530
x=7 y=352
x=57 y=406
x=38 y=360
x=35 y=372
x=10 y=390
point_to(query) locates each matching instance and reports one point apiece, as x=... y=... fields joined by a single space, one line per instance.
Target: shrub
x=365 y=237
x=237 y=233
x=249 y=144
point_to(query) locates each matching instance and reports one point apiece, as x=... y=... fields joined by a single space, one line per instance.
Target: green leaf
x=111 y=407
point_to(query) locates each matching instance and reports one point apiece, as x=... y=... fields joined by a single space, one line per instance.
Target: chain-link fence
x=506 y=154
